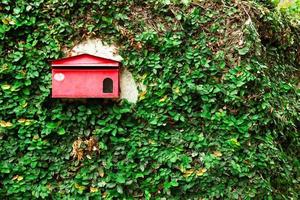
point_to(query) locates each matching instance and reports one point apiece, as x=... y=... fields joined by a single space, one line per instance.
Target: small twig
x=249 y=21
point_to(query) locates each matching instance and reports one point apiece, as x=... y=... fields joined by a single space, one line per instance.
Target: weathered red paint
x=85 y=76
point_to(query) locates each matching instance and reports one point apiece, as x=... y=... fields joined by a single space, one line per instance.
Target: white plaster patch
x=96 y=47
x=128 y=87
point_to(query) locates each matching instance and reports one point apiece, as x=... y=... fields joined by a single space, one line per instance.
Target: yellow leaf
x=92 y=189
x=23 y=72
x=104 y=194
x=20 y=178
x=142 y=95
x=4 y=67
x=25 y=121
x=35 y=137
x=2 y=123
x=5 y=86
x=49 y=186
x=234 y=141
x=176 y=90
x=217 y=153
x=182 y=169
x=5 y=124
x=28 y=122
x=188 y=173
x=143 y=77
x=79 y=187
x=21 y=120
x=163 y=99
x=5 y=20
x=151 y=141
x=283 y=4
x=24 y=105
x=201 y=171
x=101 y=172
x=14 y=88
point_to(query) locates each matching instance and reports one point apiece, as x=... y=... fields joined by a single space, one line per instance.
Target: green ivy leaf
x=61 y=131
x=120 y=178
x=244 y=50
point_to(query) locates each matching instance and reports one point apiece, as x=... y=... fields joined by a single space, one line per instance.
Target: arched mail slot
x=107 y=85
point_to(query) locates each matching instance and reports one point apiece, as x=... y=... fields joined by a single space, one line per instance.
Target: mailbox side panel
x=83 y=83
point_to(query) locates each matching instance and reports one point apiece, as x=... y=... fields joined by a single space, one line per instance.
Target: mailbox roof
x=85 y=60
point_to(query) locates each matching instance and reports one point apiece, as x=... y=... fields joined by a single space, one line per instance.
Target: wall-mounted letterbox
x=85 y=76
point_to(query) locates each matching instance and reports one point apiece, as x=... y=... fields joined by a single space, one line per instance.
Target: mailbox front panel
x=85 y=83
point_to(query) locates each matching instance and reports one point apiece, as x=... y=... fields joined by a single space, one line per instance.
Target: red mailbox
x=85 y=76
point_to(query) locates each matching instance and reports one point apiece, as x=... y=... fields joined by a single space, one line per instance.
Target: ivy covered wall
x=219 y=118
